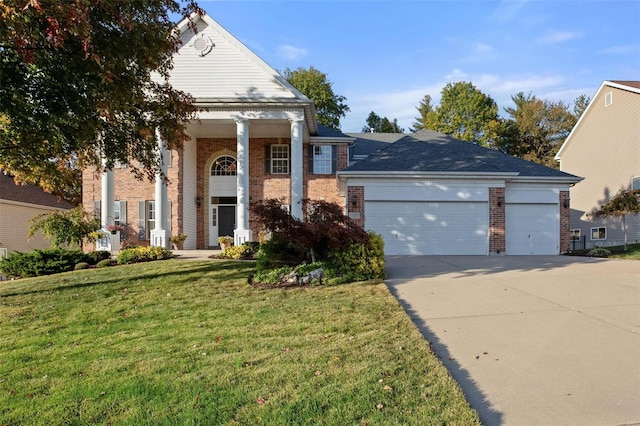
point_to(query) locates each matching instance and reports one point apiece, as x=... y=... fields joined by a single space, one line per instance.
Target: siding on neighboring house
x=605 y=149
x=15 y=226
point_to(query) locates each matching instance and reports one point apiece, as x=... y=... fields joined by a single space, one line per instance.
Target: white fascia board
x=256 y=114
x=330 y=140
x=344 y=175
x=546 y=179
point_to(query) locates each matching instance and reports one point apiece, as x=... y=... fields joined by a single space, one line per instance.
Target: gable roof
x=29 y=194
x=231 y=75
x=429 y=152
x=628 y=85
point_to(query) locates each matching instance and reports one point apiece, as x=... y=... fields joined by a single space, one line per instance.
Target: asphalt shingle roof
x=368 y=143
x=429 y=151
x=328 y=132
x=28 y=194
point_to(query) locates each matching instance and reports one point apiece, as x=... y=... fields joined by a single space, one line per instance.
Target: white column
x=107 y=201
x=242 y=233
x=159 y=235
x=296 y=168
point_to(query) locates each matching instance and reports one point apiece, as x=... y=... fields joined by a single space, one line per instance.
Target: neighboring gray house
x=604 y=147
x=428 y=193
x=18 y=205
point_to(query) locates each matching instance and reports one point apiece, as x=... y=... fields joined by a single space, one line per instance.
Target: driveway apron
x=532 y=340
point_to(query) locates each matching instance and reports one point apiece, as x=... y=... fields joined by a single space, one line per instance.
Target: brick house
x=257 y=137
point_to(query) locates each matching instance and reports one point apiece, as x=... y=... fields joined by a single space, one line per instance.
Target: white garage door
x=532 y=229
x=417 y=227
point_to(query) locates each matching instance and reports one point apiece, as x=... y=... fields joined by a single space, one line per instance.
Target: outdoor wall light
x=500 y=201
x=354 y=200
x=199 y=201
x=566 y=203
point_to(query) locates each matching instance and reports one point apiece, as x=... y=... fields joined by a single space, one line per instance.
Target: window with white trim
x=635 y=182
x=280 y=159
x=599 y=233
x=574 y=234
x=224 y=166
x=322 y=159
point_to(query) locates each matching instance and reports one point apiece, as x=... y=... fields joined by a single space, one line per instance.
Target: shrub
x=65 y=226
x=81 y=265
x=93 y=257
x=245 y=251
x=359 y=261
x=599 y=252
x=277 y=253
x=143 y=254
x=271 y=276
x=104 y=263
x=41 y=262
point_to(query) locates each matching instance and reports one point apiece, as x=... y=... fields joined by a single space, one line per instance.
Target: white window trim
x=321 y=163
x=635 y=182
x=598 y=228
x=286 y=159
x=571 y=233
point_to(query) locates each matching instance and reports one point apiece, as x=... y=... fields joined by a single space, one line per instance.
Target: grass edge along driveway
x=176 y=342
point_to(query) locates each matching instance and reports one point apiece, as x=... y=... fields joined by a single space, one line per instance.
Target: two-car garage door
x=430 y=228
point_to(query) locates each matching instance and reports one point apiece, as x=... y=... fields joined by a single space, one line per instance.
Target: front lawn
x=179 y=342
x=632 y=253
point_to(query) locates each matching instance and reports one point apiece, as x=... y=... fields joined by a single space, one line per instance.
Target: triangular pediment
x=214 y=66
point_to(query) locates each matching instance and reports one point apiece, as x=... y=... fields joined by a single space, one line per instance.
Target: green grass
x=178 y=342
x=632 y=253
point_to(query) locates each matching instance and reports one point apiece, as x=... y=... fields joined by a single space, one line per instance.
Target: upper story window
x=279 y=159
x=224 y=166
x=323 y=159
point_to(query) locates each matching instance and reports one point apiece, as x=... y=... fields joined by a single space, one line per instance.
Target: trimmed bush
x=81 y=265
x=105 y=263
x=143 y=254
x=41 y=262
x=275 y=254
x=245 y=251
x=93 y=257
x=359 y=261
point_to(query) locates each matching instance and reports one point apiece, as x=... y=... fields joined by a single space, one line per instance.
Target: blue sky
x=384 y=56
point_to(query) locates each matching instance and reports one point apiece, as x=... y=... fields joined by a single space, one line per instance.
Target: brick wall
x=131 y=190
x=497 y=242
x=565 y=213
x=355 y=204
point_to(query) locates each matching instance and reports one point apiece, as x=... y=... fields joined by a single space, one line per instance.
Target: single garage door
x=532 y=229
x=418 y=227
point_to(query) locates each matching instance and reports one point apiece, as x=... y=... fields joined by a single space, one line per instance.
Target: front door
x=226 y=220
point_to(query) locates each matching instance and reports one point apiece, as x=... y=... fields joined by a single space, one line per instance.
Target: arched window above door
x=224 y=166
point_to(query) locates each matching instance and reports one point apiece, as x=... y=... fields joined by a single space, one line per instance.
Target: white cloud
x=291 y=53
x=621 y=49
x=483 y=48
x=553 y=37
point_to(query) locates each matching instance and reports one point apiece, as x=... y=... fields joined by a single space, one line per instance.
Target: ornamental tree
x=624 y=203
x=63 y=227
x=81 y=79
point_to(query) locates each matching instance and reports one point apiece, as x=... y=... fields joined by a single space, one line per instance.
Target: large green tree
x=314 y=84
x=424 y=108
x=624 y=203
x=81 y=79
x=378 y=124
x=536 y=128
x=465 y=113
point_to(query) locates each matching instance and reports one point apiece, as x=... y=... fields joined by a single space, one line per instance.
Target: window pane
x=224 y=166
x=280 y=159
x=322 y=159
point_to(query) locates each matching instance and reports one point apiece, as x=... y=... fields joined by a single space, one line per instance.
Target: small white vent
x=608 y=99
x=202 y=44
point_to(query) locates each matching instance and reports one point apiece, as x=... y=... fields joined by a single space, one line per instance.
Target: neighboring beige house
x=604 y=148
x=18 y=205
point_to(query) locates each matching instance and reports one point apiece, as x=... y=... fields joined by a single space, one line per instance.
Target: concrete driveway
x=532 y=340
